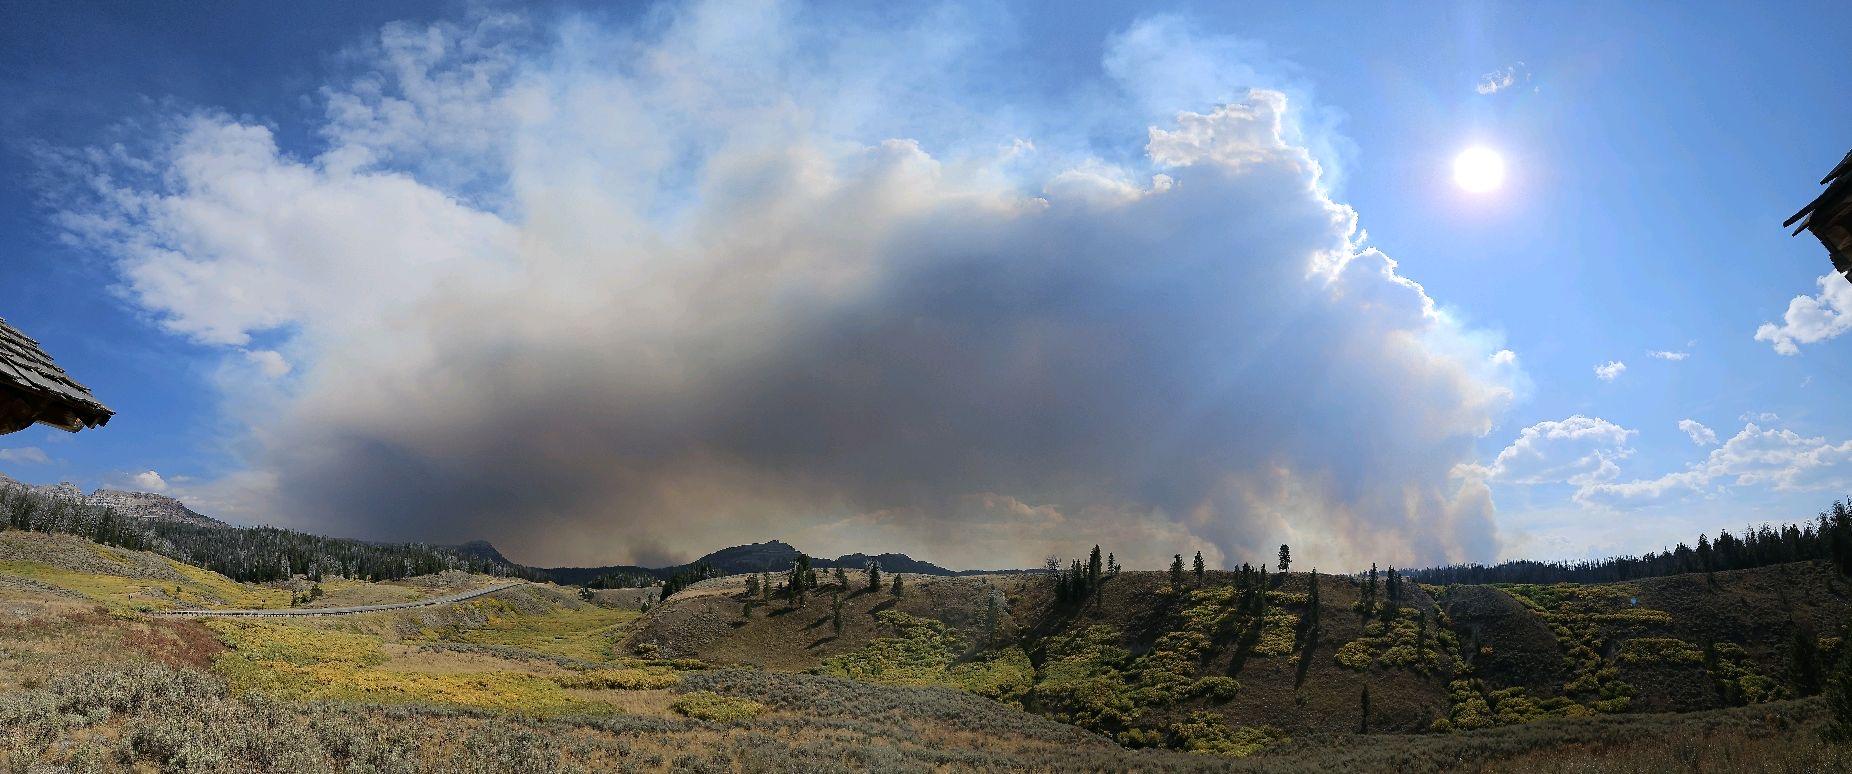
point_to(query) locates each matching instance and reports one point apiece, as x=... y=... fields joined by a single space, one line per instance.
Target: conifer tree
x=796 y=582
x=1804 y=671
x=874 y=576
x=842 y=578
x=899 y=590
x=1176 y=572
x=1093 y=568
x=1839 y=691
x=1286 y=557
x=1197 y=568
x=752 y=586
x=990 y=617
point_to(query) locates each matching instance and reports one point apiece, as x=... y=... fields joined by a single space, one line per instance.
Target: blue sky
x=1652 y=157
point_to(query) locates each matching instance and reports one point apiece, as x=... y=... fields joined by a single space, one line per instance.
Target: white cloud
x=269 y=362
x=148 y=481
x=1700 y=435
x=25 y=454
x=1779 y=459
x=1764 y=417
x=1502 y=78
x=1672 y=355
x=739 y=285
x=1812 y=319
x=1574 y=450
x=1610 y=370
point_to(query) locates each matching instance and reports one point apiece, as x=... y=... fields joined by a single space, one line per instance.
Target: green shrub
x=1207 y=733
x=1216 y=688
x=706 y=705
x=625 y=679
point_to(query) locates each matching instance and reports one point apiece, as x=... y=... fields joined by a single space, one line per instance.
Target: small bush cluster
x=1737 y=679
x=1660 y=651
x=1400 y=643
x=630 y=679
x=706 y=705
x=1208 y=733
x=1474 y=705
x=927 y=652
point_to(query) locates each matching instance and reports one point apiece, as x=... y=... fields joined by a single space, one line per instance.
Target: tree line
x=249 y=554
x=1826 y=538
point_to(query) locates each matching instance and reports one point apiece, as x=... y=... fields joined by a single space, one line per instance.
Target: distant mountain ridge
x=769 y=556
x=143 y=505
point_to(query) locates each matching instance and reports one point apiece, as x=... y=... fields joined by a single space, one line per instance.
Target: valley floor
x=957 y=674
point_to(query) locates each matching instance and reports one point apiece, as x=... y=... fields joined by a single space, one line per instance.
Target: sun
x=1479 y=169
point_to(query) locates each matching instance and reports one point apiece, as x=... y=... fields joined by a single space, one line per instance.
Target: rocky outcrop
x=144 y=505
x=148 y=505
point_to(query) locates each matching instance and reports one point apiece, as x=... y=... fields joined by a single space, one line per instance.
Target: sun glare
x=1479 y=169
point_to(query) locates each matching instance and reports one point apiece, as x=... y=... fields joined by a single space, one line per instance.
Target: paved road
x=308 y=611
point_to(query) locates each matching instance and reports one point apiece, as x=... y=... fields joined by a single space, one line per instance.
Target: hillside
x=985 y=672
x=525 y=679
x=1454 y=657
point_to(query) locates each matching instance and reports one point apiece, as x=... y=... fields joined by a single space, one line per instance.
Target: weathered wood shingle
x=34 y=389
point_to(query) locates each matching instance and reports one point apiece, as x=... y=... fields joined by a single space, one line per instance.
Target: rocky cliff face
x=148 y=505
x=144 y=505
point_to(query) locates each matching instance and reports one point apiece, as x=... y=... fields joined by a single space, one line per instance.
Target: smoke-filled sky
x=974 y=282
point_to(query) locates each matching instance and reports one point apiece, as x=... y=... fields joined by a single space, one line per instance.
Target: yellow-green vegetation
x=1402 y=643
x=1091 y=681
x=196 y=587
x=707 y=705
x=926 y=652
x=630 y=678
x=1656 y=651
x=304 y=662
x=1740 y=683
x=1584 y=618
x=1208 y=733
x=585 y=632
x=1471 y=705
x=1083 y=681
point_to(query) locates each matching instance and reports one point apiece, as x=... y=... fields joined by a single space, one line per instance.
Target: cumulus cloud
x=1610 y=370
x=1502 y=78
x=1575 y=450
x=1667 y=354
x=145 y=481
x=1587 y=452
x=25 y=454
x=632 y=294
x=1700 y=435
x=1812 y=319
x=1779 y=459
